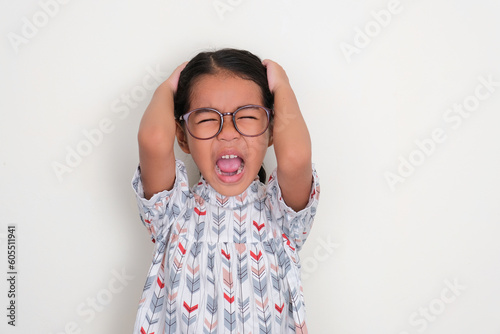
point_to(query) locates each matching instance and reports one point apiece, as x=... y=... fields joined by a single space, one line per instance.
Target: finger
x=181 y=66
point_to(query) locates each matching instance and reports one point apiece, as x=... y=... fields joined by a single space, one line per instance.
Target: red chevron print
x=259 y=227
x=313 y=193
x=190 y=309
x=256 y=257
x=230 y=300
x=144 y=332
x=287 y=241
x=183 y=251
x=228 y=256
x=200 y=213
x=160 y=283
x=279 y=308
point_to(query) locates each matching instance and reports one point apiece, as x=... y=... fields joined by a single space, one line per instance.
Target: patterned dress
x=223 y=264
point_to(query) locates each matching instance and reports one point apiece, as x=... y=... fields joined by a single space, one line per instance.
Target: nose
x=228 y=131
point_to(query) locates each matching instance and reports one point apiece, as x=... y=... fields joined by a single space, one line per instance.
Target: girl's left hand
x=276 y=75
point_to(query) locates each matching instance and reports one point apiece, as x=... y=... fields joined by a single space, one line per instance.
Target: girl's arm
x=156 y=138
x=292 y=143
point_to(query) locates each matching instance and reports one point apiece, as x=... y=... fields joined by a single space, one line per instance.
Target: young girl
x=225 y=258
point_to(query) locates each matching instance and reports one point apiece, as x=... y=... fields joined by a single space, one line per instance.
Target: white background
x=378 y=258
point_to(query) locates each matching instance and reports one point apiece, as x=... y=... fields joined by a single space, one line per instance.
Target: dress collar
x=256 y=191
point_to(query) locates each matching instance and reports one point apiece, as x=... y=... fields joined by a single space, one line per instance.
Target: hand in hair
x=292 y=143
x=276 y=75
x=173 y=79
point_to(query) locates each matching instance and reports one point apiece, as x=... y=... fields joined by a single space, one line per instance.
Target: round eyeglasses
x=206 y=123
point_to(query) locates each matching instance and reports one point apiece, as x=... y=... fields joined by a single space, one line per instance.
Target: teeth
x=239 y=169
x=229 y=156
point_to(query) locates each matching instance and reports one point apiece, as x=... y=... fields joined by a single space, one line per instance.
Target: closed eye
x=207 y=120
x=247 y=117
x=204 y=116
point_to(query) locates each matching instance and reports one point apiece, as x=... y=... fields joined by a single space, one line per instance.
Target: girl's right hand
x=173 y=79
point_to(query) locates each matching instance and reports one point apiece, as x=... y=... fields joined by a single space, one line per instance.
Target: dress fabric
x=223 y=264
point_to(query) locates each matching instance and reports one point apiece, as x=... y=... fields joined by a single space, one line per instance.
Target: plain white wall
x=373 y=78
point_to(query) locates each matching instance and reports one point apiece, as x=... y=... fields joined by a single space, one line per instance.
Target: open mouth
x=229 y=165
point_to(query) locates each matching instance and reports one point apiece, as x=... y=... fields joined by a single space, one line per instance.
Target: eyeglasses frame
x=269 y=112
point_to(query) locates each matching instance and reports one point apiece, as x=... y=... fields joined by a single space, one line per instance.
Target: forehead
x=224 y=92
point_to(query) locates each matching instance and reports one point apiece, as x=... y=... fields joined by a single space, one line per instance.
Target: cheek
x=265 y=138
x=260 y=145
x=200 y=151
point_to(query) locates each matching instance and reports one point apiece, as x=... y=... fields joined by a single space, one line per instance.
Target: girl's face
x=230 y=161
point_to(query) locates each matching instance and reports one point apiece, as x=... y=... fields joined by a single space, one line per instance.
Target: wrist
x=283 y=92
x=281 y=85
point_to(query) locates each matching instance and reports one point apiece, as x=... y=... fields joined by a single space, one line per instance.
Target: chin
x=232 y=185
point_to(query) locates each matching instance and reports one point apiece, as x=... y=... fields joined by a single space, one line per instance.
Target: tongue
x=229 y=165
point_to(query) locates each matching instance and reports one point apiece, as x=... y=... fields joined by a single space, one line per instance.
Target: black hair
x=241 y=63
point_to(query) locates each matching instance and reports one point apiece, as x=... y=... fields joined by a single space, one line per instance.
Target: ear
x=182 y=138
x=270 y=143
x=270 y=139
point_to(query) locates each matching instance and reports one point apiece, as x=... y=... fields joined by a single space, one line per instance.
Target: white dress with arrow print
x=223 y=264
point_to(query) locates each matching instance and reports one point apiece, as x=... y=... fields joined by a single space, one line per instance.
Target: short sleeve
x=295 y=225
x=162 y=209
